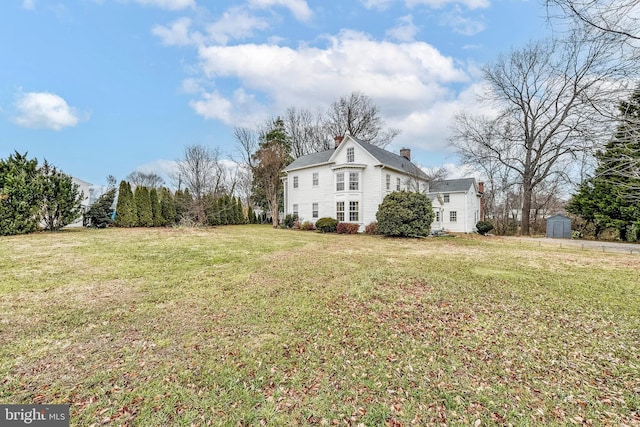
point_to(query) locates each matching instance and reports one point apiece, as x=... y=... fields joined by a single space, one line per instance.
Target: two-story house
x=350 y=181
x=457 y=204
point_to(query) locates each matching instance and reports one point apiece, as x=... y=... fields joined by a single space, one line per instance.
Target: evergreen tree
x=251 y=216
x=183 y=202
x=405 y=214
x=167 y=206
x=100 y=213
x=610 y=198
x=20 y=194
x=143 y=206
x=61 y=202
x=125 y=208
x=156 y=212
x=240 y=212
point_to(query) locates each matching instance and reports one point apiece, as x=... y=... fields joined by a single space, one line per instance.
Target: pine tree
x=143 y=207
x=61 y=202
x=241 y=218
x=20 y=194
x=167 y=207
x=100 y=213
x=610 y=198
x=125 y=208
x=156 y=212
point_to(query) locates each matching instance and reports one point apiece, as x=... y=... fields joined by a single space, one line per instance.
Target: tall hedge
x=126 y=208
x=405 y=214
x=143 y=206
x=20 y=194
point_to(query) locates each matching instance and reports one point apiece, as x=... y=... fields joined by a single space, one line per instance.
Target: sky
x=108 y=87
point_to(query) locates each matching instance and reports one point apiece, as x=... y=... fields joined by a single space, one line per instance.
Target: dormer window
x=350 y=155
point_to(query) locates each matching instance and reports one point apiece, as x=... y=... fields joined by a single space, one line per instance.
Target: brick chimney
x=406 y=153
x=338 y=140
x=481 y=191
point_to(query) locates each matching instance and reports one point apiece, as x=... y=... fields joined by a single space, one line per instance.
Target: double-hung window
x=350 y=155
x=353 y=180
x=446 y=197
x=388 y=182
x=453 y=216
x=397 y=184
x=295 y=209
x=340 y=181
x=353 y=212
x=315 y=179
x=314 y=210
x=295 y=182
x=340 y=211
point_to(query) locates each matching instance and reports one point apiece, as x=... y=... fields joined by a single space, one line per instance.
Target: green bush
x=327 y=225
x=347 y=228
x=484 y=227
x=405 y=214
x=290 y=220
x=307 y=226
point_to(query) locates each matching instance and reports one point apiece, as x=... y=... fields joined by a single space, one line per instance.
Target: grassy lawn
x=247 y=325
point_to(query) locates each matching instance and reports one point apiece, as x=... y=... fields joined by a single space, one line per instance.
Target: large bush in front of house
x=327 y=225
x=405 y=214
x=484 y=227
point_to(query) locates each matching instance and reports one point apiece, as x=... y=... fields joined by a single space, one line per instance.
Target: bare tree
x=306 y=132
x=202 y=173
x=142 y=179
x=269 y=161
x=357 y=115
x=619 y=18
x=549 y=96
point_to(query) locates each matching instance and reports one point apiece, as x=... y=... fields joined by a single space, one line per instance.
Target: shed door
x=558 y=229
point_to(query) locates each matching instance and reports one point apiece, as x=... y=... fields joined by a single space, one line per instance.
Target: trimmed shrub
x=290 y=220
x=307 y=226
x=405 y=214
x=371 y=228
x=484 y=227
x=327 y=225
x=347 y=228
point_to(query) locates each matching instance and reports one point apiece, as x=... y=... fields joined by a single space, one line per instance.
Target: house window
x=340 y=181
x=295 y=182
x=340 y=211
x=350 y=155
x=437 y=216
x=397 y=184
x=353 y=211
x=388 y=182
x=295 y=209
x=453 y=216
x=315 y=179
x=446 y=197
x=314 y=210
x=353 y=180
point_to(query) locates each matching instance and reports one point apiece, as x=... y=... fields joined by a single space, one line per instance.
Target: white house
x=457 y=204
x=350 y=181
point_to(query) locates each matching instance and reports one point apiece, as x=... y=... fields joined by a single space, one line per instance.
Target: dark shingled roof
x=451 y=185
x=386 y=158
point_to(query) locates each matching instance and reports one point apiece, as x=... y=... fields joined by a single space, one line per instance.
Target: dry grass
x=249 y=326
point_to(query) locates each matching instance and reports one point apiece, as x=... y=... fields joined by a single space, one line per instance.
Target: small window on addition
x=446 y=197
x=453 y=216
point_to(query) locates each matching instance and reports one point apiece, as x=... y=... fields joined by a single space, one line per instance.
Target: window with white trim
x=397 y=184
x=437 y=216
x=353 y=180
x=340 y=181
x=340 y=211
x=315 y=179
x=446 y=197
x=453 y=216
x=353 y=211
x=314 y=210
x=295 y=209
x=350 y=155
x=295 y=182
x=388 y=182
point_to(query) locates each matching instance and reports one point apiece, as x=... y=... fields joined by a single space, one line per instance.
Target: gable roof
x=451 y=185
x=384 y=157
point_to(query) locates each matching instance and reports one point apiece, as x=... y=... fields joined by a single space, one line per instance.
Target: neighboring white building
x=350 y=181
x=85 y=188
x=457 y=204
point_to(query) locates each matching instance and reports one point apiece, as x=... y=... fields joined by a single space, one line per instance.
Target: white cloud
x=436 y=4
x=168 y=4
x=405 y=31
x=177 y=34
x=412 y=82
x=462 y=24
x=44 y=110
x=29 y=4
x=235 y=24
x=299 y=8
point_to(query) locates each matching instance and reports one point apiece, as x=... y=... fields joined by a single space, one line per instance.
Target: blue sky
x=101 y=87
